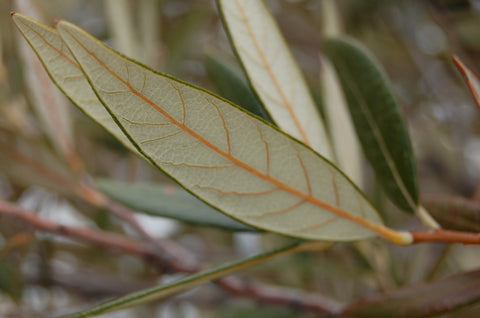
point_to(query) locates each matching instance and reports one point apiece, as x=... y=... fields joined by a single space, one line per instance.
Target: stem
x=427 y=219
x=446 y=236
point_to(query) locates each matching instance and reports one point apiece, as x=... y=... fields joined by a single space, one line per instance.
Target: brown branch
x=173 y=255
x=89 y=284
x=446 y=236
x=234 y=285
x=96 y=237
x=294 y=298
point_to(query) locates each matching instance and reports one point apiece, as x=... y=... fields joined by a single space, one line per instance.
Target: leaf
x=421 y=300
x=345 y=142
x=49 y=104
x=471 y=79
x=232 y=85
x=170 y=289
x=229 y=159
x=377 y=119
x=454 y=212
x=66 y=74
x=273 y=72
x=168 y=201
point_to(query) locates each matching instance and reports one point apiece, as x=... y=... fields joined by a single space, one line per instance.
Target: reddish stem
x=446 y=236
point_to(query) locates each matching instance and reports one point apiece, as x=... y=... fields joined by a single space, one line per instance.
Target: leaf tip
x=56 y=22
x=458 y=63
x=12 y=13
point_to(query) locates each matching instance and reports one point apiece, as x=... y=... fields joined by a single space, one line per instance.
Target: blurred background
x=42 y=275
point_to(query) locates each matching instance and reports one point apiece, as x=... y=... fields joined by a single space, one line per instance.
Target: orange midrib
x=269 y=70
x=51 y=45
x=378 y=228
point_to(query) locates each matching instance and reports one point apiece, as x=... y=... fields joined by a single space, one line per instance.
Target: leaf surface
x=273 y=72
x=377 y=119
x=66 y=73
x=471 y=79
x=229 y=159
x=421 y=300
x=168 y=201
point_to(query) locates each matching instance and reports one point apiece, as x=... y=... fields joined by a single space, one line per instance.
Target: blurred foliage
x=413 y=39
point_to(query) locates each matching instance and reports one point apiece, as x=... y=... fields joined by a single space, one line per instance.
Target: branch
x=234 y=285
x=446 y=236
x=96 y=237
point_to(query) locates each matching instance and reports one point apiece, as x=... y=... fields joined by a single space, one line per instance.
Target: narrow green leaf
x=454 y=212
x=273 y=72
x=233 y=85
x=168 y=201
x=66 y=74
x=471 y=79
x=229 y=159
x=421 y=300
x=167 y=290
x=377 y=119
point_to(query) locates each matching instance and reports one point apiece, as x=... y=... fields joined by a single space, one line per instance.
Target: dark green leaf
x=377 y=119
x=421 y=300
x=233 y=85
x=169 y=201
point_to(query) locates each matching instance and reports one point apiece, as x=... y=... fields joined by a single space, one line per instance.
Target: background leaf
x=232 y=85
x=344 y=139
x=168 y=201
x=421 y=300
x=377 y=118
x=51 y=106
x=345 y=143
x=273 y=72
x=240 y=162
x=471 y=79
x=66 y=73
x=454 y=212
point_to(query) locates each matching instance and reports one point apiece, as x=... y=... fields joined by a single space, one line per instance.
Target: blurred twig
x=234 y=285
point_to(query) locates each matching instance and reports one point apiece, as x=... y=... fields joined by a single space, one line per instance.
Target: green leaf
x=66 y=74
x=168 y=201
x=421 y=300
x=454 y=212
x=232 y=85
x=471 y=79
x=170 y=289
x=377 y=119
x=229 y=159
x=273 y=72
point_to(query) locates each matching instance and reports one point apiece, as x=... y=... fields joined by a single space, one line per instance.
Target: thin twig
x=172 y=255
x=234 y=285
